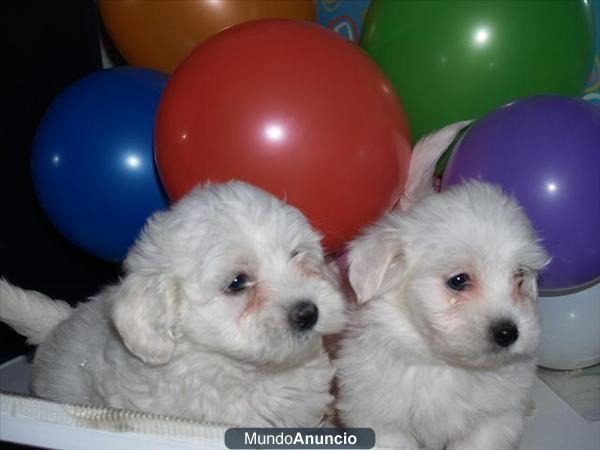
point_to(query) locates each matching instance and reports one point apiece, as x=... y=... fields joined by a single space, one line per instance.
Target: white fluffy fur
x=30 y=313
x=423 y=161
x=417 y=363
x=170 y=338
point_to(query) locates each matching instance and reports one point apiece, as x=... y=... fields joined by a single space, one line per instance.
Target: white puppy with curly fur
x=219 y=317
x=440 y=353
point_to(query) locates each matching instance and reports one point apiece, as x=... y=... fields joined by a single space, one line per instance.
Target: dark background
x=45 y=46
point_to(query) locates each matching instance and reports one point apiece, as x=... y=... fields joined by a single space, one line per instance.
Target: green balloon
x=457 y=60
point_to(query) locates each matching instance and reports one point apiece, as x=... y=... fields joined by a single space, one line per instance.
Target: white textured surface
x=580 y=389
x=553 y=426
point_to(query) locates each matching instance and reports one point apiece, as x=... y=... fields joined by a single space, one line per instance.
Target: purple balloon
x=545 y=150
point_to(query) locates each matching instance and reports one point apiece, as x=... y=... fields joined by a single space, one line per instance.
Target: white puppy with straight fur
x=219 y=317
x=441 y=349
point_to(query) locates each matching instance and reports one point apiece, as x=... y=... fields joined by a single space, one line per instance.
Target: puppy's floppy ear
x=144 y=313
x=538 y=261
x=370 y=259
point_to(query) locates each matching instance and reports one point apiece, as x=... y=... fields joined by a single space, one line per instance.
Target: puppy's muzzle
x=504 y=332
x=303 y=315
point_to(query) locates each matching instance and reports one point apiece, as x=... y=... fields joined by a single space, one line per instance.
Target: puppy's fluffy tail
x=30 y=313
x=423 y=160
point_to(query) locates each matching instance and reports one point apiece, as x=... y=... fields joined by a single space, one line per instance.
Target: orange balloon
x=159 y=34
x=291 y=107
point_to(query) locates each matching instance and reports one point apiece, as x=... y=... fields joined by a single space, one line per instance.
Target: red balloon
x=294 y=109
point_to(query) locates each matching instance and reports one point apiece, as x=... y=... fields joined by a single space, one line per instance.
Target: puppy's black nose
x=303 y=315
x=504 y=332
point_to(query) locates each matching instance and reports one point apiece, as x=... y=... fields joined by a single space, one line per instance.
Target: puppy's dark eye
x=460 y=282
x=239 y=283
x=294 y=253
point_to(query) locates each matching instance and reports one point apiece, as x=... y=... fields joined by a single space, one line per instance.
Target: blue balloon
x=93 y=159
